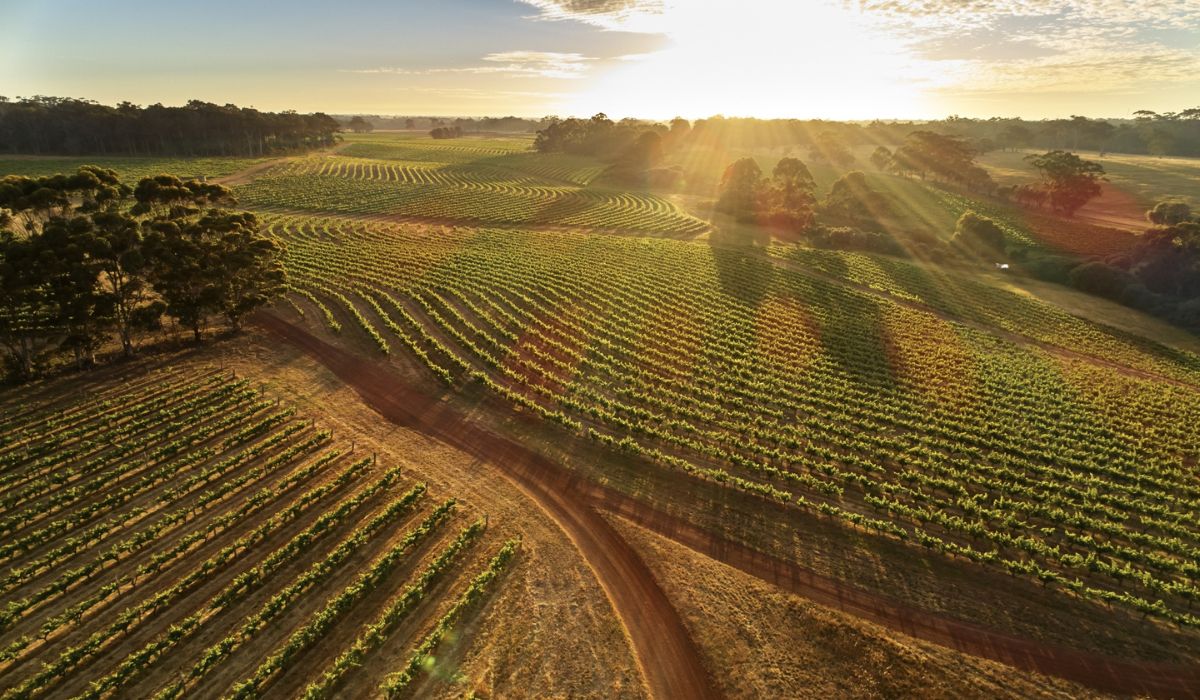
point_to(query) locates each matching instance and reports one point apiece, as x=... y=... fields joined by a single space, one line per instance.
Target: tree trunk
x=196 y=331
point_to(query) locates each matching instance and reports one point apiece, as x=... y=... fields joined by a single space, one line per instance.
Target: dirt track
x=665 y=652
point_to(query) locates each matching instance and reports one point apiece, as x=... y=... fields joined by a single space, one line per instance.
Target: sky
x=656 y=59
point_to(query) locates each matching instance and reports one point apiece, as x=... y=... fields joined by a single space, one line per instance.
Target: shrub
x=1050 y=268
x=1169 y=212
x=1187 y=314
x=977 y=231
x=1101 y=279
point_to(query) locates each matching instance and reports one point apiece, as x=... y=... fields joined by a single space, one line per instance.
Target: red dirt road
x=1104 y=673
x=665 y=651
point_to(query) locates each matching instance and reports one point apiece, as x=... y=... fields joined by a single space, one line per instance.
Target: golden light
x=767 y=58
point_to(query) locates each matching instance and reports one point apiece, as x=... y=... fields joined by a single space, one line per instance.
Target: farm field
x=178 y=531
x=130 y=169
x=600 y=350
x=494 y=181
x=1135 y=184
x=728 y=368
x=471 y=323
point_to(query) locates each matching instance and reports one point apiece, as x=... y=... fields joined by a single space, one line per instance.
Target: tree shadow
x=852 y=328
x=740 y=255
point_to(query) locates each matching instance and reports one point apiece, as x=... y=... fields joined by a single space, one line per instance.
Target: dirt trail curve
x=1104 y=673
x=665 y=653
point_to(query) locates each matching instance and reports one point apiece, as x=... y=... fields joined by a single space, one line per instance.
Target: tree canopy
x=84 y=258
x=359 y=125
x=942 y=157
x=1069 y=181
x=786 y=199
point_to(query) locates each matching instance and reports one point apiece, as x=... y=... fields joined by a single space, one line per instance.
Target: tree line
x=516 y=125
x=1066 y=182
x=64 y=126
x=85 y=260
x=1159 y=275
x=1148 y=133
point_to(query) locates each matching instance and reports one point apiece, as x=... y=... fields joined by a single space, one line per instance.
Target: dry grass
x=773 y=644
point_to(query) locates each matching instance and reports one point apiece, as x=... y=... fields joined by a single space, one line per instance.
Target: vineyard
x=130 y=169
x=477 y=181
x=179 y=533
x=970 y=421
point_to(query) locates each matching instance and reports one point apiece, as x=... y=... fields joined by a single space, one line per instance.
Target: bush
x=977 y=231
x=1049 y=268
x=664 y=177
x=1101 y=279
x=845 y=238
x=1187 y=315
x=1169 y=212
x=1137 y=296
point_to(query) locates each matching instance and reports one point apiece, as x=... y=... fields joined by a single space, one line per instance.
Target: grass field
x=1147 y=178
x=1134 y=184
x=178 y=530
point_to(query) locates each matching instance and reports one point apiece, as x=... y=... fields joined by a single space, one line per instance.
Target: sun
x=767 y=58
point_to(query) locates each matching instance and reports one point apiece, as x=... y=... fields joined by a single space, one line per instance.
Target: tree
x=218 y=263
x=1016 y=136
x=27 y=323
x=117 y=246
x=81 y=308
x=882 y=158
x=360 y=126
x=53 y=125
x=791 y=196
x=828 y=148
x=166 y=196
x=446 y=132
x=946 y=158
x=1069 y=180
x=31 y=201
x=77 y=262
x=1169 y=212
x=678 y=131
x=978 y=232
x=852 y=200
x=410 y=124
x=645 y=152
x=250 y=273
x=184 y=272
x=1167 y=258
x=1100 y=279
x=740 y=188
x=794 y=184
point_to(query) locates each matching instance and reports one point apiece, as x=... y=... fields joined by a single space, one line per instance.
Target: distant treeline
x=64 y=126
x=515 y=125
x=1172 y=134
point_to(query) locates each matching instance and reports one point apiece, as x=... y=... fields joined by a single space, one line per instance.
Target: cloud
x=623 y=15
x=547 y=64
x=1029 y=46
x=515 y=64
x=1179 y=14
x=1089 y=70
